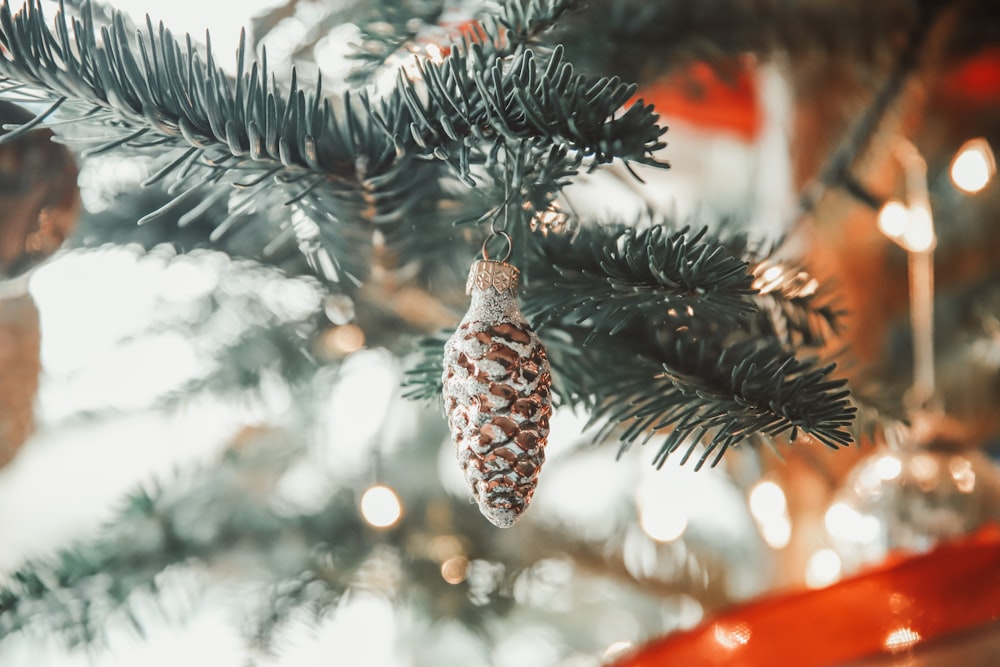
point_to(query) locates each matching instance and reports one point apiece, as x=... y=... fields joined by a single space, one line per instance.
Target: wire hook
x=498 y=234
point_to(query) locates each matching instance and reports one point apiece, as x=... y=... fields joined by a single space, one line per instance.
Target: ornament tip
x=501 y=517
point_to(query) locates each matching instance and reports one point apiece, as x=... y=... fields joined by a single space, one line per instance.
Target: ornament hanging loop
x=498 y=234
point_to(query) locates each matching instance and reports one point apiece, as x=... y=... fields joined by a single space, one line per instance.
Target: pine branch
x=482 y=95
x=347 y=161
x=694 y=392
x=700 y=394
x=422 y=381
x=525 y=20
x=610 y=277
x=669 y=331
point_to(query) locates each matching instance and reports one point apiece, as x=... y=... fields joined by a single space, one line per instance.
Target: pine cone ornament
x=497 y=395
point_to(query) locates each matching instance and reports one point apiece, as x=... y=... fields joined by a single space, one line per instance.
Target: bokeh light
x=973 y=166
x=381 y=507
x=823 y=568
x=892 y=219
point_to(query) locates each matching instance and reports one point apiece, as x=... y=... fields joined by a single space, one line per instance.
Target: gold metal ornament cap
x=490 y=273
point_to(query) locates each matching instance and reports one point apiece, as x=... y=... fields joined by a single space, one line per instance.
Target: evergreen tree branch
x=718 y=395
x=699 y=393
x=676 y=334
x=608 y=278
x=347 y=160
x=149 y=82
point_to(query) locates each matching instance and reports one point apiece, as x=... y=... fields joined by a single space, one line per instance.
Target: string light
x=973 y=166
x=380 y=506
x=912 y=227
x=892 y=219
x=918 y=236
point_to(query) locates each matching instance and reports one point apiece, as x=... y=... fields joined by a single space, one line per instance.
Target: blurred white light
x=845 y=522
x=359 y=403
x=186 y=279
x=346 y=634
x=291 y=299
x=973 y=166
x=919 y=233
x=662 y=521
x=526 y=646
x=901 y=638
x=963 y=474
x=770 y=510
x=776 y=531
x=380 y=506
x=888 y=467
x=767 y=500
x=823 y=568
x=893 y=218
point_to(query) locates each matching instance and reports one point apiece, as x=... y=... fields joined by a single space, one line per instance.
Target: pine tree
x=688 y=334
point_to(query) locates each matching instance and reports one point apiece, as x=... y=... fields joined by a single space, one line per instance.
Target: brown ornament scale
x=497 y=394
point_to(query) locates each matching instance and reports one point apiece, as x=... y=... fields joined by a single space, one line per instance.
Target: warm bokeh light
x=911 y=227
x=732 y=636
x=823 y=568
x=770 y=510
x=918 y=236
x=892 y=219
x=845 y=522
x=973 y=167
x=963 y=474
x=776 y=532
x=455 y=569
x=380 y=506
x=901 y=638
x=663 y=523
x=888 y=467
x=767 y=500
x=343 y=340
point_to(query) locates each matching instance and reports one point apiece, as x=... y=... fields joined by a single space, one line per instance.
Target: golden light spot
x=380 y=506
x=455 y=569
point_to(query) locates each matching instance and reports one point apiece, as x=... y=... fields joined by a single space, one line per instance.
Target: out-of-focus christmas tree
x=237 y=431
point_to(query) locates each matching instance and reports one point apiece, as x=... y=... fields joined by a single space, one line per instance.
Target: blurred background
x=215 y=439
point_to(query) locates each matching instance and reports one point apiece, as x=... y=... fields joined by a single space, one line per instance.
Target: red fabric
x=717 y=96
x=910 y=601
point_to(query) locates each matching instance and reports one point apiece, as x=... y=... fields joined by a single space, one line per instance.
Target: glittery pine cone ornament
x=497 y=395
